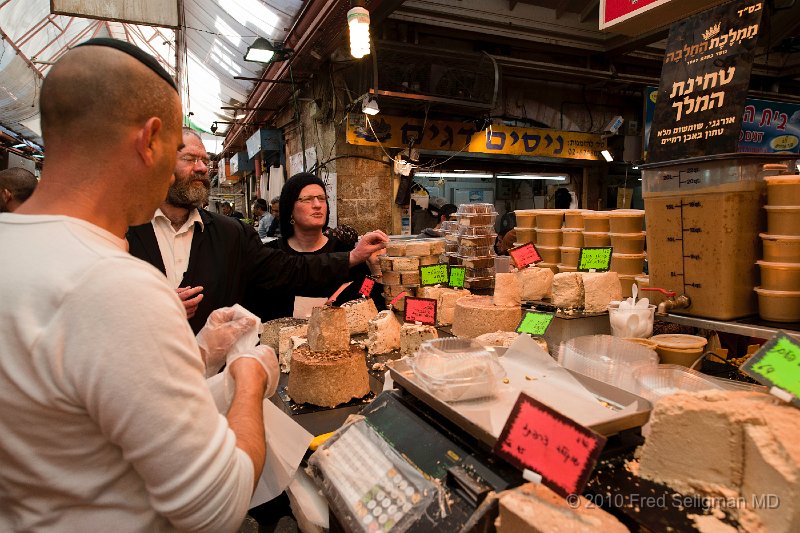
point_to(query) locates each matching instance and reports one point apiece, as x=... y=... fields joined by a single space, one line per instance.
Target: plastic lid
x=523 y=229
x=572 y=230
x=643 y=278
x=538 y=212
x=569 y=249
x=771 y=237
x=626 y=276
x=628 y=256
x=595 y=233
x=575 y=211
x=547 y=247
x=525 y=211
x=539 y=230
x=784 y=266
x=476 y=209
x=780 y=294
x=562 y=266
x=679 y=341
x=546 y=265
x=789 y=208
x=633 y=236
x=596 y=214
x=626 y=213
x=782 y=180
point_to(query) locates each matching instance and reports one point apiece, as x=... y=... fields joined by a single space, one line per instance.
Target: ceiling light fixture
x=553 y=177
x=358 y=23
x=370 y=106
x=263 y=51
x=453 y=175
x=607 y=155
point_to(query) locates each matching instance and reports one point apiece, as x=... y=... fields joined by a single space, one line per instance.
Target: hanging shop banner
x=152 y=12
x=399 y=132
x=704 y=82
x=632 y=17
x=768 y=127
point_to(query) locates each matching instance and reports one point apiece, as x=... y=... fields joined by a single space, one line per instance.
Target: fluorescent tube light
x=607 y=155
x=453 y=175
x=553 y=177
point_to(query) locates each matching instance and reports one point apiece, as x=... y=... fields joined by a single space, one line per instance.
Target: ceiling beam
x=591 y=8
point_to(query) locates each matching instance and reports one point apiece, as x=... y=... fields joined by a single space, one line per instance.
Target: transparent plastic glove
x=226 y=328
x=265 y=355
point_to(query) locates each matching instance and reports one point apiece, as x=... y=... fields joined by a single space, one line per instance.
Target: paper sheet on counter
x=550 y=383
x=287 y=442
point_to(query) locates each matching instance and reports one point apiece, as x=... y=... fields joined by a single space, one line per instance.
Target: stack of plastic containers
x=627 y=239
x=779 y=293
x=526 y=224
x=476 y=238
x=450 y=232
x=571 y=240
x=549 y=237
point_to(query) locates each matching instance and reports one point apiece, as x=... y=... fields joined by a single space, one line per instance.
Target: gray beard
x=185 y=196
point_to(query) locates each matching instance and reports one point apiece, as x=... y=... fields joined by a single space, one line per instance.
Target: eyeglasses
x=193 y=159
x=308 y=199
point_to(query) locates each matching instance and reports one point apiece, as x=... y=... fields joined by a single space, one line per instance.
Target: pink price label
x=421 y=310
x=541 y=439
x=366 y=287
x=397 y=298
x=524 y=255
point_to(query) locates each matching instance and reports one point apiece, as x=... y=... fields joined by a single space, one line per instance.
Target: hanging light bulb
x=358 y=22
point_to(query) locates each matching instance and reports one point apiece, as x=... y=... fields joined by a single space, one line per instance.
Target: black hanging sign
x=704 y=82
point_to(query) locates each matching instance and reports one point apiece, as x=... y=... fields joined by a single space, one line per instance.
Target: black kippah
x=135 y=52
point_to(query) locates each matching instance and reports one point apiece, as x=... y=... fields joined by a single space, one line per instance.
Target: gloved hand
x=265 y=355
x=219 y=335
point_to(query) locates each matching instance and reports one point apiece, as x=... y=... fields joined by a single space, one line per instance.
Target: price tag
x=541 y=439
x=595 y=259
x=421 y=310
x=366 y=287
x=338 y=292
x=777 y=364
x=535 y=323
x=524 y=255
x=397 y=298
x=432 y=274
x=457 y=275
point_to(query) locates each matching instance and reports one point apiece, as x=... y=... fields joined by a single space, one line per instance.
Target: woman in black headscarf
x=303 y=220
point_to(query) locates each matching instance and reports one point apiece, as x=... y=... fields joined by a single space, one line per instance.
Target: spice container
x=596 y=222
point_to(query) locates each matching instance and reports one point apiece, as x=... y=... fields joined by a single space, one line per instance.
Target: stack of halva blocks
x=400 y=266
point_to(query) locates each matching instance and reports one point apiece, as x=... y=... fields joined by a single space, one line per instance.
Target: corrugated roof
x=216 y=36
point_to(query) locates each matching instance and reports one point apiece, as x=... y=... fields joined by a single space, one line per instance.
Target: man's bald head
x=16 y=186
x=94 y=93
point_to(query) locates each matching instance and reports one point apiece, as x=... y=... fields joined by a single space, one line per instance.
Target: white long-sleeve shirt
x=106 y=422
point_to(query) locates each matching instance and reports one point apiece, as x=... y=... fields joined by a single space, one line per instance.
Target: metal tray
x=404 y=376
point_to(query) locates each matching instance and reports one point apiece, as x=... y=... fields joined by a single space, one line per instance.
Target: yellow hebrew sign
x=398 y=132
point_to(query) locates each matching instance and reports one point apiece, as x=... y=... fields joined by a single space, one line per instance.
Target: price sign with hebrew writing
x=539 y=438
x=457 y=275
x=433 y=275
x=534 y=323
x=777 y=364
x=366 y=287
x=422 y=310
x=595 y=259
x=524 y=255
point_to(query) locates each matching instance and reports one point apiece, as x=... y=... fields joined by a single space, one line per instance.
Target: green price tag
x=535 y=323
x=777 y=364
x=598 y=259
x=457 y=275
x=432 y=274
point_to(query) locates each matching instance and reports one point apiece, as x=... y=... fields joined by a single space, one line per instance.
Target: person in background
x=275 y=210
x=262 y=214
x=107 y=421
x=214 y=261
x=442 y=211
x=304 y=216
x=228 y=211
x=16 y=186
x=563 y=198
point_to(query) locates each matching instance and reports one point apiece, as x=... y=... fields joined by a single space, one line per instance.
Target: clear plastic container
x=479 y=283
x=549 y=218
x=783 y=219
x=477 y=241
x=479 y=272
x=478 y=262
x=476 y=251
x=628 y=243
x=656 y=382
x=570 y=256
x=626 y=220
x=781 y=248
x=476 y=231
x=637 y=322
x=778 y=306
x=606 y=358
x=476 y=219
x=596 y=222
x=593 y=239
x=572 y=237
x=783 y=190
x=454 y=369
x=476 y=209
x=780 y=276
x=547 y=237
x=526 y=218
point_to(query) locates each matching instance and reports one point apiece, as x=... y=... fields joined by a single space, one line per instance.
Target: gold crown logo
x=711 y=32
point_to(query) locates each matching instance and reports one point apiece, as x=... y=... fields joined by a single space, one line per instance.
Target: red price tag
x=397 y=298
x=541 y=439
x=524 y=255
x=421 y=310
x=366 y=287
